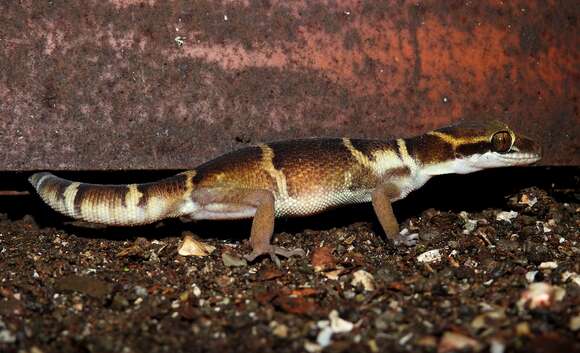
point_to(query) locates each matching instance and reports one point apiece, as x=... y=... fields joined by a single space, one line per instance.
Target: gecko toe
x=288 y=252
x=273 y=252
x=252 y=256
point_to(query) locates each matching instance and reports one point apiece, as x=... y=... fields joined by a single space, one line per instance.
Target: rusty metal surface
x=168 y=84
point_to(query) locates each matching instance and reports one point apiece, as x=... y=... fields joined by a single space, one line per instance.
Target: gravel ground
x=496 y=270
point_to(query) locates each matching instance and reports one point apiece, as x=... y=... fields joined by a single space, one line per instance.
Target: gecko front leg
x=381 y=200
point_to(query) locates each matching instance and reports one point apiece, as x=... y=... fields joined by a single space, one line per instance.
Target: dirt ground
x=496 y=270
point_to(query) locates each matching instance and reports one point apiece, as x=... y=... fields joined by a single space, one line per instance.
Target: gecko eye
x=501 y=141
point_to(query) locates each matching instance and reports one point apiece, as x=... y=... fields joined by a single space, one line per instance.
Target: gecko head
x=489 y=144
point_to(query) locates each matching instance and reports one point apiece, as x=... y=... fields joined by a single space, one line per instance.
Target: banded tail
x=121 y=205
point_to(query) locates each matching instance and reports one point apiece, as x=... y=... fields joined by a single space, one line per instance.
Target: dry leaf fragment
x=322 y=259
x=269 y=273
x=192 y=247
x=303 y=292
x=526 y=200
x=297 y=305
x=506 y=216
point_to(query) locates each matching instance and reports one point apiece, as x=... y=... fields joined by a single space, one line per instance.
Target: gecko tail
x=119 y=205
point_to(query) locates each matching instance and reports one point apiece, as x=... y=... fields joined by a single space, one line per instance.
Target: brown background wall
x=168 y=84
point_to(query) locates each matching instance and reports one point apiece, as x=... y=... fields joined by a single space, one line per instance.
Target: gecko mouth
x=521 y=158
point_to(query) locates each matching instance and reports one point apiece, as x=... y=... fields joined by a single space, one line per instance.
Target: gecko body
x=295 y=178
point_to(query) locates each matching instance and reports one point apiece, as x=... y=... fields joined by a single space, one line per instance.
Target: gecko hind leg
x=228 y=203
x=263 y=228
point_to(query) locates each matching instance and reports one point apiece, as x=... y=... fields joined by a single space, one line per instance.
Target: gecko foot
x=406 y=238
x=273 y=251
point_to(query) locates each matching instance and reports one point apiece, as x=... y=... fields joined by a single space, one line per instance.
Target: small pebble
x=482 y=321
x=373 y=346
x=348 y=294
x=523 y=329
x=405 y=339
x=279 y=330
x=312 y=347
x=540 y=295
x=575 y=323
x=339 y=325
x=544 y=226
x=548 y=265
x=427 y=341
x=430 y=256
x=5 y=335
x=469 y=226
x=365 y=279
x=195 y=290
x=334 y=274
x=452 y=342
x=334 y=325
x=531 y=276
x=231 y=260
x=572 y=276
x=496 y=346
x=141 y=291
x=324 y=337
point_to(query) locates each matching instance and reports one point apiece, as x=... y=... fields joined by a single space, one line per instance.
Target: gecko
x=298 y=177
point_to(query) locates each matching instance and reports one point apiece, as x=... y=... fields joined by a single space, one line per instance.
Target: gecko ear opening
x=501 y=142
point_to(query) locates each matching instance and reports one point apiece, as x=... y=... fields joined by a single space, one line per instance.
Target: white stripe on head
x=476 y=162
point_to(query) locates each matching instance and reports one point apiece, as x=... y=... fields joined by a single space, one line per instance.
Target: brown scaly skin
x=295 y=178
